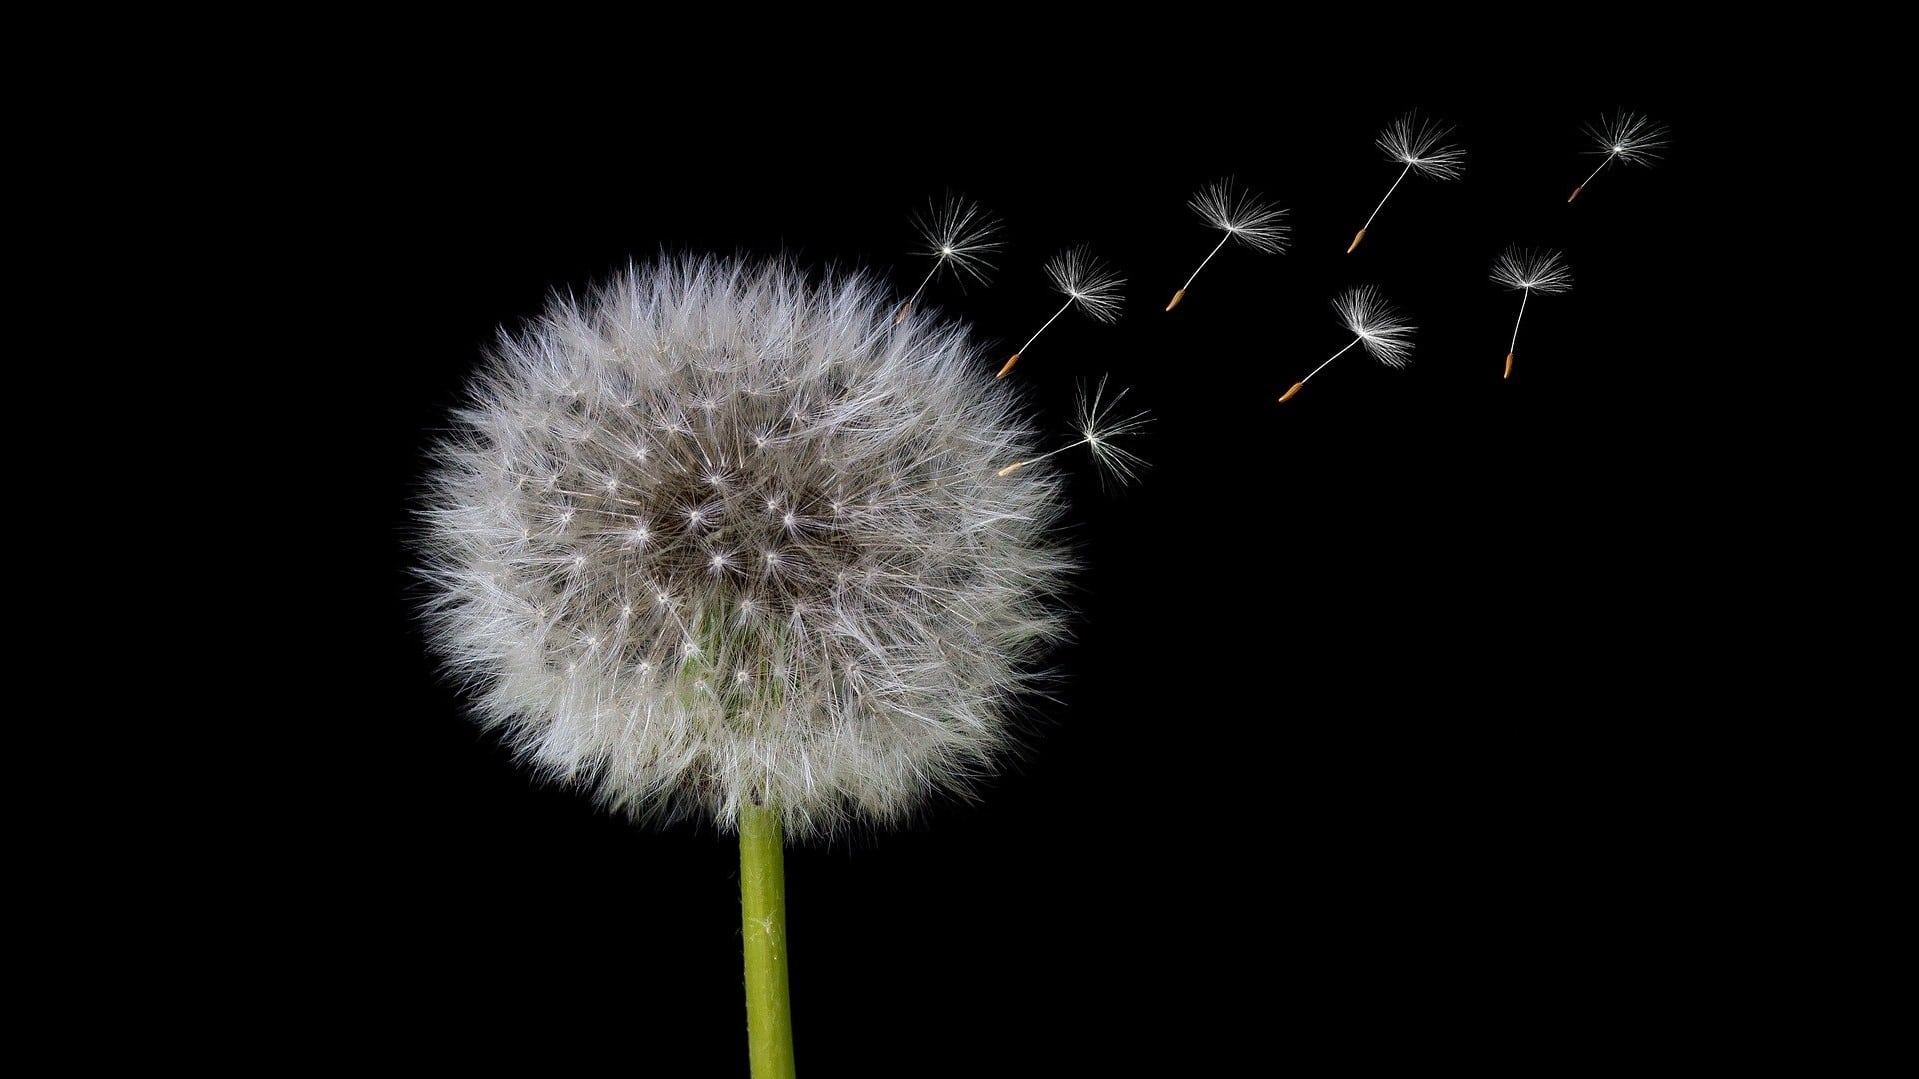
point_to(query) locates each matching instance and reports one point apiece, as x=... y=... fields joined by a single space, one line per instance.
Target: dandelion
x=1100 y=428
x=1083 y=280
x=1415 y=143
x=958 y=235
x=1628 y=138
x=718 y=541
x=1241 y=216
x=1374 y=323
x=1544 y=272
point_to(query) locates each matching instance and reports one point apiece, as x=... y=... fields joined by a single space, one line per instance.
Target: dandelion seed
x=1099 y=428
x=1374 y=323
x=1083 y=280
x=1544 y=272
x=1414 y=142
x=1241 y=216
x=1628 y=138
x=958 y=235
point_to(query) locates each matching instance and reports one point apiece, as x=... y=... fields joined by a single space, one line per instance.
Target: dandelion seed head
x=1386 y=333
x=1104 y=431
x=1629 y=137
x=1540 y=271
x=1414 y=141
x=1250 y=220
x=959 y=237
x=1089 y=282
x=829 y=623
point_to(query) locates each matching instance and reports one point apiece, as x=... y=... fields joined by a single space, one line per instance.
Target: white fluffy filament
x=719 y=532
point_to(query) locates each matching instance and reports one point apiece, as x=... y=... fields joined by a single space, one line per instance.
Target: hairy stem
x=769 y=1010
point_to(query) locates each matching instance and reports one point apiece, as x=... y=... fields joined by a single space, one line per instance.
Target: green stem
x=769 y=1009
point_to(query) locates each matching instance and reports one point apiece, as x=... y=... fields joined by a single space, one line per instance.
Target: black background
x=1340 y=767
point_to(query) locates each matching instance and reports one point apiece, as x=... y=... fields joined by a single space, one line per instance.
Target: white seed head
x=959 y=236
x=1385 y=332
x=1414 y=141
x=1088 y=282
x=1102 y=430
x=1243 y=215
x=1631 y=138
x=1540 y=271
x=815 y=593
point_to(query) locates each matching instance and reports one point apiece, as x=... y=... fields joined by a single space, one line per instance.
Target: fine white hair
x=1413 y=141
x=1630 y=137
x=718 y=532
x=1242 y=215
x=1543 y=271
x=1087 y=280
x=1386 y=333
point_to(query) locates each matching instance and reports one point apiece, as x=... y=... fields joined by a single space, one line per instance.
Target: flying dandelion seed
x=1414 y=142
x=1628 y=138
x=1544 y=272
x=1374 y=323
x=958 y=235
x=1100 y=427
x=1083 y=280
x=1241 y=216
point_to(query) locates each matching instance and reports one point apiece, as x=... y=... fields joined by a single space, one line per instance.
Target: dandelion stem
x=1382 y=202
x=927 y=281
x=1049 y=322
x=1207 y=259
x=769 y=1011
x=1029 y=341
x=1595 y=172
x=1016 y=465
x=1524 y=295
x=1589 y=179
x=1329 y=359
